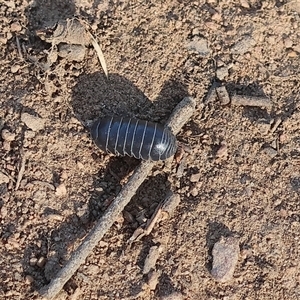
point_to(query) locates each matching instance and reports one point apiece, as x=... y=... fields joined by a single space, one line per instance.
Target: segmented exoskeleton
x=134 y=137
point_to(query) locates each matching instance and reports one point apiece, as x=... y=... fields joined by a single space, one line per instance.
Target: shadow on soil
x=95 y=96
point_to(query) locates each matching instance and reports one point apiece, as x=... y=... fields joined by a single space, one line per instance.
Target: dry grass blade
x=19 y=48
x=21 y=172
x=99 y=53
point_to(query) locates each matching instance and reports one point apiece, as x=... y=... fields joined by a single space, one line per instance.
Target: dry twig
x=182 y=112
x=164 y=209
x=251 y=101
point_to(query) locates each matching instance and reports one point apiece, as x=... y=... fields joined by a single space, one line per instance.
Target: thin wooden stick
x=182 y=112
x=251 y=101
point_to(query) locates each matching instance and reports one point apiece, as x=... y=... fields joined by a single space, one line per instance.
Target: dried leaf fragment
x=99 y=54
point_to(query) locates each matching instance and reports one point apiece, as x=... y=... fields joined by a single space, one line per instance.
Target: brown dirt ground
x=157 y=52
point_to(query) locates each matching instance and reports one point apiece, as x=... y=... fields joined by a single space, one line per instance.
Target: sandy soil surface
x=239 y=176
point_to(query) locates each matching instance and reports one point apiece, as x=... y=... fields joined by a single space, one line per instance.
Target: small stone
x=29 y=279
x=225 y=257
x=6 y=146
x=80 y=165
x=245 y=3
x=222 y=151
x=264 y=126
x=52 y=57
x=222 y=95
x=14 y=68
x=195 y=177
x=41 y=262
x=153 y=277
x=173 y=296
x=151 y=259
x=33 y=261
x=292 y=54
x=3 y=39
x=170 y=204
x=15 y=27
x=39 y=195
x=195 y=31
x=103 y=244
x=10 y=3
x=3 y=178
x=93 y=269
x=64 y=175
x=222 y=73
x=297 y=48
x=61 y=190
x=194 y=192
x=271 y=152
x=243 y=46
x=7 y=135
x=4 y=211
x=33 y=122
x=199 y=45
x=29 y=134
x=217 y=17
x=288 y=43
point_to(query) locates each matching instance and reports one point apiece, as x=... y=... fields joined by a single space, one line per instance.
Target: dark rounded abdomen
x=133 y=137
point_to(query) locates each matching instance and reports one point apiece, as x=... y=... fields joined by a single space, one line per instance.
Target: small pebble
x=29 y=279
x=222 y=95
x=64 y=175
x=243 y=46
x=4 y=211
x=271 y=152
x=245 y=3
x=80 y=165
x=7 y=135
x=173 y=296
x=41 y=262
x=3 y=178
x=151 y=259
x=222 y=73
x=14 y=68
x=33 y=261
x=93 y=269
x=264 y=126
x=29 y=134
x=153 y=277
x=222 y=151
x=33 y=122
x=61 y=190
x=194 y=192
x=15 y=27
x=225 y=257
x=170 y=204
x=6 y=146
x=288 y=43
x=3 y=39
x=199 y=45
x=195 y=177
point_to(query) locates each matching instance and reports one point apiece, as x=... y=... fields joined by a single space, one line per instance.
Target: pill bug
x=134 y=137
